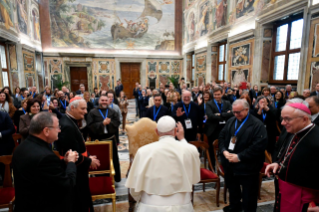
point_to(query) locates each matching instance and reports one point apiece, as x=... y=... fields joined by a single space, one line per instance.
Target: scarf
x=5 y=106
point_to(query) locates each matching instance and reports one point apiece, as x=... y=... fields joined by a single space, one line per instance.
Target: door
x=130 y=74
x=78 y=76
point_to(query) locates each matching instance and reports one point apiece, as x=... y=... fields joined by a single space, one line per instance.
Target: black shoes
x=232 y=209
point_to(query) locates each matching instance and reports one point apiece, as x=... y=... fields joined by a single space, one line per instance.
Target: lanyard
x=23 y=110
x=219 y=108
x=33 y=94
x=276 y=104
x=111 y=105
x=256 y=93
x=63 y=105
x=156 y=114
x=204 y=108
x=236 y=132
x=189 y=109
x=234 y=97
x=22 y=97
x=107 y=112
x=264 y=115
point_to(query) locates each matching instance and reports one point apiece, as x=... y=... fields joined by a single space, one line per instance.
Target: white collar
x=308 y=126
x=166 y=136
x=314 y=116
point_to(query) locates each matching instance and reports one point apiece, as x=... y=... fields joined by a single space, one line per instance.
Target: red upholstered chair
x=206 y=175
x=262 y=171
x=7 y=193
x=101 y=186
x=219 y=168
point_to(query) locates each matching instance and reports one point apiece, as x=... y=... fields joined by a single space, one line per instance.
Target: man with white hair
x=273 y=91
x=242 y=142
x=163 y=173
x=298 y=189
x=71 y=137
x=288 y=91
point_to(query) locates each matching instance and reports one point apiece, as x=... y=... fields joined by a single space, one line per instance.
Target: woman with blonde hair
x=123 y=103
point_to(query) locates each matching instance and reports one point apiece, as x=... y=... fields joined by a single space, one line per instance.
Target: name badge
x=105 y=130
x=222 y=122
x=188 y=124
x=232 y=143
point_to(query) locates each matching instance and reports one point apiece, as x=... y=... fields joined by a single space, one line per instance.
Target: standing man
x=81 y=90
x=103 y=123
x=118 y=88
x=242 y=142
x=115 y=107
x=157 y=110
x=39 y=174
x=177 y=159
x=218 y=112
x=190 y=115
x=136 y=92
x=316 y=92
x=34 y=92
x=297 y=188
x=306 y=93
x=273 y=91
x=143 y=103
x=71 y=137
x=65 y=91
x=313 y=102
x=288 y=91
x=63 y=104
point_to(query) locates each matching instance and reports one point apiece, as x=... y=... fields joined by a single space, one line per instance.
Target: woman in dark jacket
x=266 y=113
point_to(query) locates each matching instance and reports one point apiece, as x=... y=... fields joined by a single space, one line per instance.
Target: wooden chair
x=219 y=168
x=139 y=134
x=262 y=171
x=102 y=184
x=16 y=139
x=206 y=175
x=7 y=193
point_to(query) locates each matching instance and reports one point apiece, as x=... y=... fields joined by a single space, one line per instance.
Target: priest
x=157 y=110
x=163 y=172
x=297 y=168
x=103 y=123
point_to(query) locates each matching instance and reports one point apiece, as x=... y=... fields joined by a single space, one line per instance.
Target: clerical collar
x=72 y=117
x=314 y=116
x=305 y=128
x=166 y=136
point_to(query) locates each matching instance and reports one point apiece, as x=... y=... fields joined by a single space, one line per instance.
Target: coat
x=250 y=146
x=70 y=137
x=118 y=90
x=42 y=181
x=212 y=123
x=24 y=125
x=6 y=130
x=163 y=112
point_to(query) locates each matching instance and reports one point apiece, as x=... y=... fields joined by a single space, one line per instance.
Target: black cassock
x=96 y=130
x=70 y=137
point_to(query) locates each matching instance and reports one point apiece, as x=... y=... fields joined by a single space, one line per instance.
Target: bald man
x=190 y=115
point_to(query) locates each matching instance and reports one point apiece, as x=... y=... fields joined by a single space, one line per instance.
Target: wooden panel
x=130 y=74
x=78 y=76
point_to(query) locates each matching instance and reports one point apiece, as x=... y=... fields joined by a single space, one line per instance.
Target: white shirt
x=314 y=116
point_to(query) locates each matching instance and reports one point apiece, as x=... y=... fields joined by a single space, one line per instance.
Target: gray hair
x=297 y=100
x=300 y=112
x=288 y=86
x=74 y=103
x=306 y=90
x=41 y=121
x=243 y=102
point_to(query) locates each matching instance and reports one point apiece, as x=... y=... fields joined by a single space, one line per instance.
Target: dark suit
x=143 y=102
x=252 y=94
x=42 y=181
x=314 y=93
x=196 y=117
x=250 y=147
x=316 y=121
x=118 y=90
x=163 y=112
x=213 y=126
x=78 y=92
x=70 y=137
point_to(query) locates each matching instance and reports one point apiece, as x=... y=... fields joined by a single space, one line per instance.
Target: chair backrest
x=103 y=151
x=204 y=147
x=57 y=153
x=6 y=160
x=141 y=133
x=218 y=165
x=16 y=138
x=268 y=156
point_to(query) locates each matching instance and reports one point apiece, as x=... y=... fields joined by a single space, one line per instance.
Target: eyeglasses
x=238 y=112
x=287 y=120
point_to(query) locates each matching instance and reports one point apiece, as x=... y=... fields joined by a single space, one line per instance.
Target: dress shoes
x=232 y=209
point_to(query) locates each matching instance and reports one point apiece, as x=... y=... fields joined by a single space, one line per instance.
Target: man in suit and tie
x=218 y=111
x=316 y=92
x=118 y=88
x=42 y=181
x=313 y=102
x=157 y=110
x=190 y=115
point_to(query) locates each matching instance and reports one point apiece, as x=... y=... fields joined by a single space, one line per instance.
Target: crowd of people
x=247 y=121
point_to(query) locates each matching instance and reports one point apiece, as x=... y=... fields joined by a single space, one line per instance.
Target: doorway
x=78 y=76
x=130 y=74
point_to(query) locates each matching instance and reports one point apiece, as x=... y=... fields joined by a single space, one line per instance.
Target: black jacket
x=42 y=181
x=314 y=93
x=250 y=146
x=118 y=90
x=143 y=102
x=252 y=94
x=6 y=130
x=316 y=121
x=213 y=120
x=163 y=112
x=70 y=137
x=136 y=92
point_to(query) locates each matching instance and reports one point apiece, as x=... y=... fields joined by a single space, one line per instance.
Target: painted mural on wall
x=240 y=56
x=13 y=57
x=6 y=13
x=22 y=12
x=113 y=24
x=36 y=25
x=28 y=61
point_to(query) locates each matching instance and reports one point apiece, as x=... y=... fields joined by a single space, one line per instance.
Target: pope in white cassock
x=163 y=172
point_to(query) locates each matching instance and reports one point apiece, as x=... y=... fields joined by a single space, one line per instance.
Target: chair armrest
x=112 y=168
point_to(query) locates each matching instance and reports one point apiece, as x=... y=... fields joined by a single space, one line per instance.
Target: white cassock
x=162 y=175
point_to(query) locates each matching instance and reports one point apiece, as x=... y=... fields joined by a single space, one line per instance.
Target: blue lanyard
x=156 y=114
x=63 y=105
x=219 y=108
x=236 y=132
x=264 y=115
x=276 y=104
x=189 y=109
x=22 y=97
x=256 y=93
x=33 y=95
x=204 y=108
x=23 y=110
x=107 y=112
x=111 y=105
x=234 y=97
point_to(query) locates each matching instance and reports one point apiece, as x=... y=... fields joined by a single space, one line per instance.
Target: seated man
x=162 y=173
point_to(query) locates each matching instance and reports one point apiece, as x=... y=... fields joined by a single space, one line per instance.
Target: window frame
x=224 y=62
x=286 y=52
x=7 y=69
